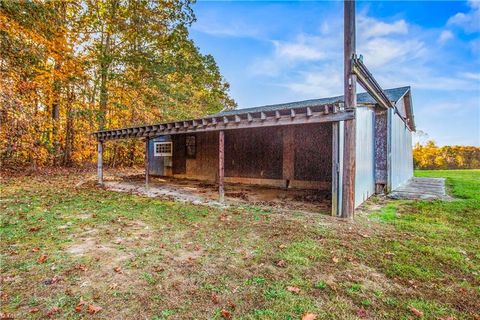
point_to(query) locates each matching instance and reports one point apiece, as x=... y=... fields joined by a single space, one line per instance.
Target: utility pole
x=350 y=81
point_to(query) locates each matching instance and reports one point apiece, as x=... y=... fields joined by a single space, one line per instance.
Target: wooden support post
x=288 y=155
x=381 y=150
x=221 y=165
x=100 y=162
x=147 y=165
x=348 y=194
x=335 y=168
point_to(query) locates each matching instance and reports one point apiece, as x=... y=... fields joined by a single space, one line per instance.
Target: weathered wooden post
x=221 y=165
x=147 y=166
x=100 y=162
x=350 y=81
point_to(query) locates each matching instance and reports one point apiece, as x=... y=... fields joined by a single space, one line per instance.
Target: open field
x=82 y=252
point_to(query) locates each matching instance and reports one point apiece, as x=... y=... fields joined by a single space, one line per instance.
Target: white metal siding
x=401 y=160
x=365 y=155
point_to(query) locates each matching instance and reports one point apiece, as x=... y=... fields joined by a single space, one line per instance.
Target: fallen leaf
x=81 y=267
x=6 y=316
x=42 y=258
x=34 y=310
x=214 y=298
x=117 y=269
x=231 y=304
x=281 y=263
x=93 y=309
x=282 y=246
x=309 y=316
x=335 y=260
x=417 y=313
x=293 y=289
x=223 y=217
x=34 y=229
x=226 y=314
x=158 y=269
x=36 y=249
x=52 y=312
x=361 y=313
x=79 y=306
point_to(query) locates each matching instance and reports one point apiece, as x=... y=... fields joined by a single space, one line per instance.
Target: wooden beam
x=292 y=113
x=309 y=112
x=263 y=116
x=221 y=165
x=267 y=121
x=277 y=115
x=100 y=162
x=237 y=119
x=249 y=117
x=225 y=120
x=147 y=166
x=349 y=152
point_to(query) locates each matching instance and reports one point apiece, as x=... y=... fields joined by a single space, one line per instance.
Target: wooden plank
x=288 y=155
x=147 y=167
x=349 y=152
x=221 y=165
x=100 y=162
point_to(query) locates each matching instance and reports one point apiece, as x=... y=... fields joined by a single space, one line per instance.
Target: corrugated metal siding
x=401 y=160
x=365 y=155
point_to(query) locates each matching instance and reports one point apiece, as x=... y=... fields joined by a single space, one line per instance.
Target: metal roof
x=393 y=94
x=307 y=111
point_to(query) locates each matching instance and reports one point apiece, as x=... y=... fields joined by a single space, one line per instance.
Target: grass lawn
x=82 y=252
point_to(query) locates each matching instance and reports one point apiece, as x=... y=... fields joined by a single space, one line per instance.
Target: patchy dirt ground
x=71 y=250
x=198 y=192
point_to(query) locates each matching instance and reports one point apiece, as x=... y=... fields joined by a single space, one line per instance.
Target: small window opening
x=163 y=149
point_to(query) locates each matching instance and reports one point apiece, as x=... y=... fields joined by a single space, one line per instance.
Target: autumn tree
x=69 y=68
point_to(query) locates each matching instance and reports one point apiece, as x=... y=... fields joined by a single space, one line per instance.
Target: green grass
x=185 y=261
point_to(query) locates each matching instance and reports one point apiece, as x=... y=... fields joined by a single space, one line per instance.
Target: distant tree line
x=430 y=156
x=68 y=68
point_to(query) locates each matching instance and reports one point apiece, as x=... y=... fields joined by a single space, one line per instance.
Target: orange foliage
x=430 y=156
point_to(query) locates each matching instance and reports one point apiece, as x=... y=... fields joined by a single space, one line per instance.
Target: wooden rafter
x=249 y=120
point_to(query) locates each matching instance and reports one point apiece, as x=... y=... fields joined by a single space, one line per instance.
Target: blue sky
x=273 y=52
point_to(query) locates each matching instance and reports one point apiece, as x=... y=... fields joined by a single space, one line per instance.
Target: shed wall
x=401 y=159
x=296 y=156
x=365 y=155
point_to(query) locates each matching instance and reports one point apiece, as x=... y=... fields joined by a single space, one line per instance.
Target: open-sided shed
x=296 y=145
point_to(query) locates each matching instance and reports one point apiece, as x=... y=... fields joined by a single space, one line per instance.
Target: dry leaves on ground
x=42 y=258
x=309 y=316
x=293 y=289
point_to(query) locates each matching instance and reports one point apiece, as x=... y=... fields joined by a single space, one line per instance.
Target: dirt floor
x=198 y=192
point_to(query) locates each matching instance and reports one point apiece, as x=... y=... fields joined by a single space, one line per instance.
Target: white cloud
x=382 y=51
x=237 y=29
x=371 y=28
x=468 y=21
x=445 y=36
x=303 y=48
x=320 y=82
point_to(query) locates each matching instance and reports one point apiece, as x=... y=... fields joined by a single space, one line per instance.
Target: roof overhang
x=293 y=116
